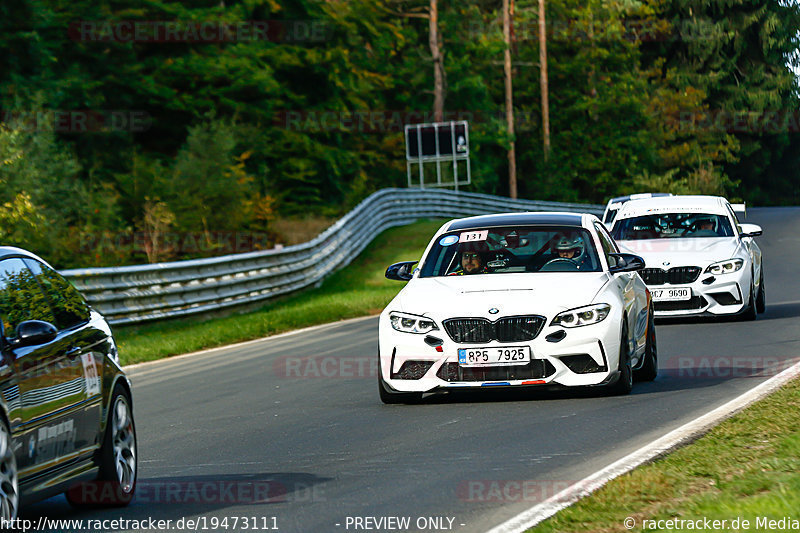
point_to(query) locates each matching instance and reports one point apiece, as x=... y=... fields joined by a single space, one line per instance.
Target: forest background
x=143 y=131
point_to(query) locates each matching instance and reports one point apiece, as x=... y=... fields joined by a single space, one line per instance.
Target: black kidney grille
x=509 y=329
x=653 y=276
x=673 y=276
x=679 y=275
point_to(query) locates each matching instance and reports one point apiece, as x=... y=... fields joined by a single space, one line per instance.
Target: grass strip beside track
x=359 y=289
x=747 y=467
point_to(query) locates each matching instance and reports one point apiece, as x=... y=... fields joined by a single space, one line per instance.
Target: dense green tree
x=301 y=107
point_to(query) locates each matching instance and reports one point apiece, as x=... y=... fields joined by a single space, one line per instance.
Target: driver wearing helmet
x=703 y=227
x=568 y=247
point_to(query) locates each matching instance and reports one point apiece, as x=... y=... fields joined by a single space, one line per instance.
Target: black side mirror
x=626 y=263
x=402 y=271
x=31 y=332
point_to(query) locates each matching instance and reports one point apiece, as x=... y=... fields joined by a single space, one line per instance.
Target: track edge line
x=659 y=447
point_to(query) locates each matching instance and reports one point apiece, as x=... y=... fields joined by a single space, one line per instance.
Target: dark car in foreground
x=66 y=411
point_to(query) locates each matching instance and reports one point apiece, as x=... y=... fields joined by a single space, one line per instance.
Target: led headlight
x=725 y=267
x=411 y=323
x=582 y=316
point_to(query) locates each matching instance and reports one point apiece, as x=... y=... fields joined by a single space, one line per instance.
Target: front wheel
x=649 y=369
x=389 y=397
x=761 y=299
x=750 y=311
x=118 y=460
x=624 y=385
x=9 y=489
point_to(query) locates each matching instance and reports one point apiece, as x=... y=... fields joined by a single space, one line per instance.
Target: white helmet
x=565 y=244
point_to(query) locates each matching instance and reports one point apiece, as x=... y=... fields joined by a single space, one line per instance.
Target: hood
x=698 y=251
x=512 y=294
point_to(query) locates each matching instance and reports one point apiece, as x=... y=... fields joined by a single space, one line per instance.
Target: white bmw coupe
x=514 y=300
x=700 y=259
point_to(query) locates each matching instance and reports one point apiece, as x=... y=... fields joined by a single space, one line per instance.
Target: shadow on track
x=186 y=496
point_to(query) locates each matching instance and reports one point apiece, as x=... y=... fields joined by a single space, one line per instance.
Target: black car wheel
x=624 y=385
x=116 y=482
x=9 y=489
x=389 y=397
x=750 y=312
x=761 y=299
x=649 y=368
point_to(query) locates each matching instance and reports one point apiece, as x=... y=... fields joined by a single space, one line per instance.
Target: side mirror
x=402 y=271
x=626 y=263
x=31 y=332
x=750 y=230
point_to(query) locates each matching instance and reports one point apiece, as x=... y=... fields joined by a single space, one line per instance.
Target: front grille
x=536 y=369
x=696 y=302
x=508 y=329
x=673 y=276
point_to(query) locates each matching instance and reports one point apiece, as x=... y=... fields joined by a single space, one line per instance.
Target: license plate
x=671 y=294
x=495 y=356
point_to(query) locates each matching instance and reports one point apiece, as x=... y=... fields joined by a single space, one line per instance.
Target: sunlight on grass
x=748 y=468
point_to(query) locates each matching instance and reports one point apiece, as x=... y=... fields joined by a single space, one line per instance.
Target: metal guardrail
x=132 y=294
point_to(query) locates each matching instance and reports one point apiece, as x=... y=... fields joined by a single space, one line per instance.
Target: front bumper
x=725 y=294
x=583 y=356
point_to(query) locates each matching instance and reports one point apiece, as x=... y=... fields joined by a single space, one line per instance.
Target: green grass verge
x=748 y=467
x=357 y=290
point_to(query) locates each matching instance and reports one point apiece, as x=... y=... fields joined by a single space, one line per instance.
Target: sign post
x=437 y=143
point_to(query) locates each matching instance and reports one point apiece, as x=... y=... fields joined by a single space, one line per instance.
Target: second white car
x=700 y=259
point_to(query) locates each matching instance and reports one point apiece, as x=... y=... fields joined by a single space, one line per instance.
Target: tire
x=624 y=384
x=9 y=487
x=389 y=397
x=649 y=369
x=117 y=458
x=761 y=298
x=750 y=312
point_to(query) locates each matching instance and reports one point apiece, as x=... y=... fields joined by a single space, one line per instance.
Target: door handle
x=73 y=352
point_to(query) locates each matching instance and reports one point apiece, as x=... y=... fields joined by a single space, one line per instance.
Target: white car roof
x=715 y=205
x=555 y=218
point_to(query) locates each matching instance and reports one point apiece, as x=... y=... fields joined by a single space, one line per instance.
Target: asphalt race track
x=292 y=427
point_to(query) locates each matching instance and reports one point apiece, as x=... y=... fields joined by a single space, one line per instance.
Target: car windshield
x=512 y=249
x=672 y=225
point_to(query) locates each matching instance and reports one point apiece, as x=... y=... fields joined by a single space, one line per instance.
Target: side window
x=21 y=298
x=609 y=246
x=734 y=218
x=68 y=305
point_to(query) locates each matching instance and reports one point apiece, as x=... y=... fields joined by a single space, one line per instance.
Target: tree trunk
x=512 y=157
x=438 y=62
x=543 y=80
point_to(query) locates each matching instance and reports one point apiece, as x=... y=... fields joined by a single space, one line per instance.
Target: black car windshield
x=672 y=225
x=511 y=249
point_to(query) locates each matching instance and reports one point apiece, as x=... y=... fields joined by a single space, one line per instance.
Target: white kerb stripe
x=655 y=449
